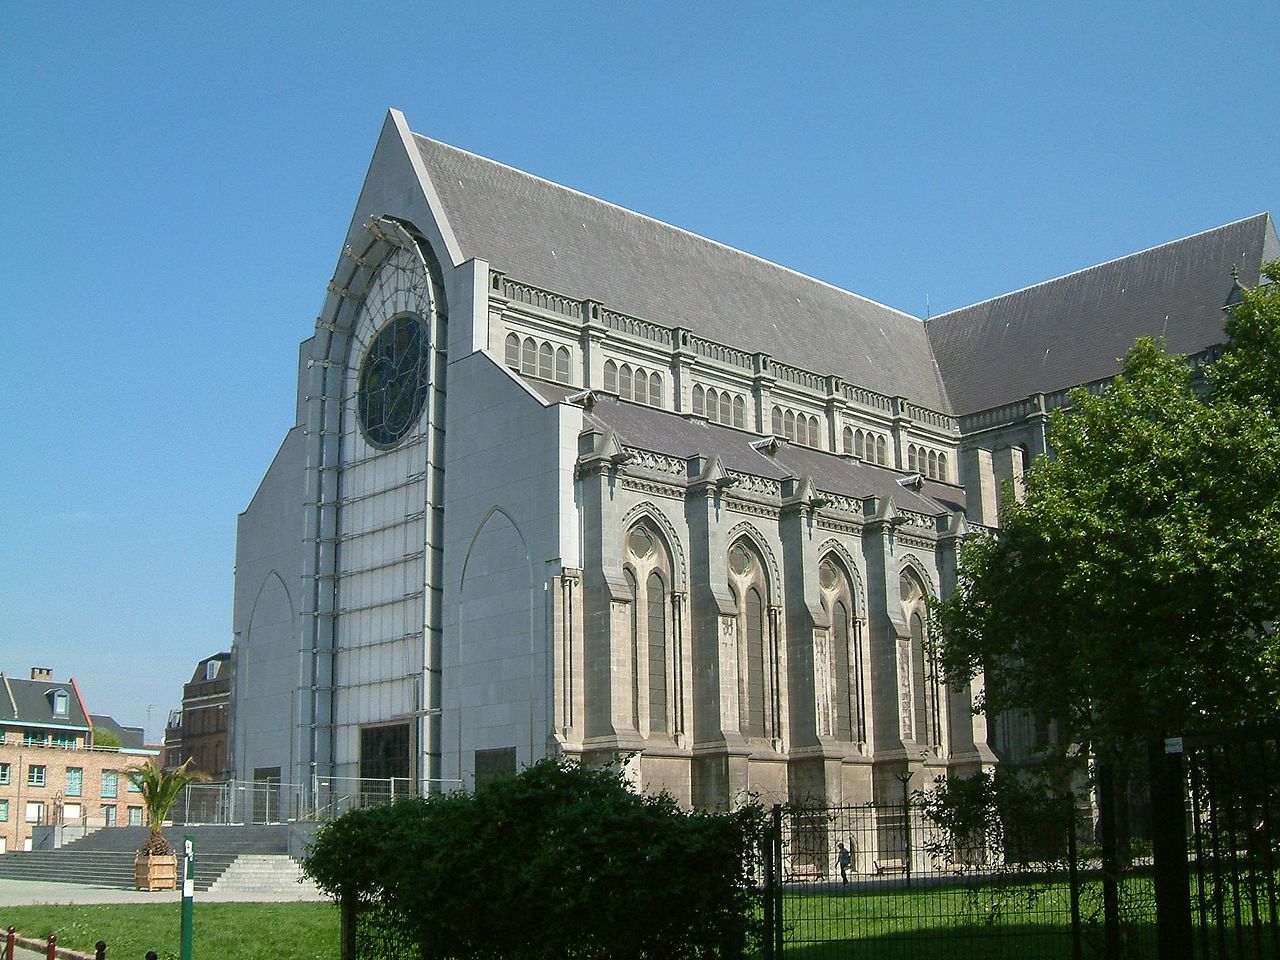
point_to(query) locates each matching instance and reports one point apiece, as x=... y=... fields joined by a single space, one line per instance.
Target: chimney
x=42 y=673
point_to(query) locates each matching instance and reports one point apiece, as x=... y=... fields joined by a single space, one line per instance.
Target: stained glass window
x=393 y=381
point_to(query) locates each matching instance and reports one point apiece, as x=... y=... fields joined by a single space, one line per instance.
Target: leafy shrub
x=557 y=862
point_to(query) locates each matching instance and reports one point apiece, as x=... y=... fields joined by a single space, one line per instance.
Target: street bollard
x=8 y=943
x=100 y=950
x=51 y=950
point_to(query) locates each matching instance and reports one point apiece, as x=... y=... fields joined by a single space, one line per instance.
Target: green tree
x=106 y=739
x=1133 y=593
x=160 y=790
x=557 y=862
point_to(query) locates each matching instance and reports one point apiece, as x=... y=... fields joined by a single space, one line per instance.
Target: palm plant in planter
x=156 y=865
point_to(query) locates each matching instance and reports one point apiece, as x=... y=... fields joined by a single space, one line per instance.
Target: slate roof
x=649 y=428
x=556 y=238
x=131 y=738
x=1073 y=330
x=29 y=702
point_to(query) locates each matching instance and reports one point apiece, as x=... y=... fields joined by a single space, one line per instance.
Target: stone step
x=263 y=874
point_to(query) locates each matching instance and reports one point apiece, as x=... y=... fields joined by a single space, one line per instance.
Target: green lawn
x=1020 y=921
x=281 y=931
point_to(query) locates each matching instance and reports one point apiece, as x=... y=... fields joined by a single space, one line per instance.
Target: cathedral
x=567 y=480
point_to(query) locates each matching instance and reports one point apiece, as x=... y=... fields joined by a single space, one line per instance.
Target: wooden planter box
x=155 y=873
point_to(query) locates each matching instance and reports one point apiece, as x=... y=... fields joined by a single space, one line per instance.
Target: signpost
x=188 y=892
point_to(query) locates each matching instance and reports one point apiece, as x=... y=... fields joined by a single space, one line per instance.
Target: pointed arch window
x=529 y=357
x=848 y=693
x=698 y=400
x=777 y=422
x=739 y=413
x=656 y=600
x=624 y=382
x=545 y=361
x=513 y=352
x=610 y=376
x=634 y=594
x=757 y=664
x=749 y=586
x=927 y=692
x=562 y=365
x=847 y=439
x=655 y=390
x=655 y=693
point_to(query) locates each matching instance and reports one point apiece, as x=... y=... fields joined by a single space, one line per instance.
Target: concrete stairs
x=105 y=858
x=270 y=874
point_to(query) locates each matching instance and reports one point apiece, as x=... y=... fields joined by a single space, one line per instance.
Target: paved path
x=15 y=893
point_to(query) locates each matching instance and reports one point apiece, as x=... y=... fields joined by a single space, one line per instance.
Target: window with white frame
x=36 y=775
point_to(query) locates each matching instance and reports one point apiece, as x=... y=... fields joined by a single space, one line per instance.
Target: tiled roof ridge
x=671 y=226
x=1265 y=215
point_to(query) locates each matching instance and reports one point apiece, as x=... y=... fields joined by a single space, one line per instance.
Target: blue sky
x=175 y=185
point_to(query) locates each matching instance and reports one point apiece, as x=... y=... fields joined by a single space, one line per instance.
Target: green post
x=188 y=893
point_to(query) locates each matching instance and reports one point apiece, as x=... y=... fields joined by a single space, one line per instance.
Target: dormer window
x=211 y=670
x=61 y=703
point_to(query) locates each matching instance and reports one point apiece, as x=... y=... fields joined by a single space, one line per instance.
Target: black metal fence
x=1217 y=799
x=1178 y=859
x=884 y=880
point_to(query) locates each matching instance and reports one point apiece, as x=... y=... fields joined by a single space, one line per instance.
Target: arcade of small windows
x=720 y=406
x=865 y=445
x=931 y=463
x=537 y=359
x=633 y=383
x=797 y=427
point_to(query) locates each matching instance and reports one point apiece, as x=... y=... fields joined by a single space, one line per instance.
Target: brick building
x=199 y=731
x=50 y=771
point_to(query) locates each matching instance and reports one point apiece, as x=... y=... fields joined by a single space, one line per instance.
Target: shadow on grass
x=1005 y=941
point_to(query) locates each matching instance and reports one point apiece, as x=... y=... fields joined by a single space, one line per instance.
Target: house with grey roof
x=568 y=480
x=52 y=773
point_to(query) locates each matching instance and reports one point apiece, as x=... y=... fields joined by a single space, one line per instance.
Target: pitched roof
x=649 y=428
x=1074 y=329
x=31 y=702
x=559 y=239
x=130 y=737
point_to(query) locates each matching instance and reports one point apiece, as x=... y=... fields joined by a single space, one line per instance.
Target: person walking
x=843 y=858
